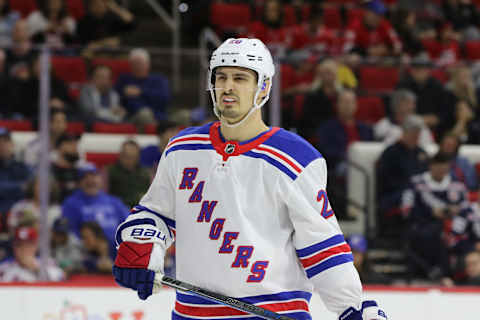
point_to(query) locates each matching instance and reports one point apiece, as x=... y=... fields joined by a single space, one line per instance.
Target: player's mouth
x=229 y=100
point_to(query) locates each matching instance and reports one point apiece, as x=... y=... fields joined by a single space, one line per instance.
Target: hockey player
x=247 y=207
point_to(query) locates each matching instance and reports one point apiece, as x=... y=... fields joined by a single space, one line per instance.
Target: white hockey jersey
x=251 y=220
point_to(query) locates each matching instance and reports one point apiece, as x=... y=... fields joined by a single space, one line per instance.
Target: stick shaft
x=217 y=297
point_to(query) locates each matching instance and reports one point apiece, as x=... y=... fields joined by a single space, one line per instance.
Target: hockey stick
x=217 y=297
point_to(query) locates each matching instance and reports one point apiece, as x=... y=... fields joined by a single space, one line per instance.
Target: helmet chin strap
x=236 y=124
x=255 y=106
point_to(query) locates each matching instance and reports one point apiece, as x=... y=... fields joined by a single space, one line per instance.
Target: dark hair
x=65 y=137
x=43 y=7
x=95 y=228
x=440 y=157
x=6 y=9
x=96 y=67
x=164 y=125
x=130 y=142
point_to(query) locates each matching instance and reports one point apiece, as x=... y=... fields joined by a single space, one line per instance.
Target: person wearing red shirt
x=372 y=36
x=314 y=35
x=271 y=29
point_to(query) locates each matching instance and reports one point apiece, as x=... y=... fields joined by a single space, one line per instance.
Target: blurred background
x=388 y=91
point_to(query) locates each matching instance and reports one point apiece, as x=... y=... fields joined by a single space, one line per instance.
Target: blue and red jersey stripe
x=324 y=255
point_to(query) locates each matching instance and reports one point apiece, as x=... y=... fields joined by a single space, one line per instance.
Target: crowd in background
x=428 y=202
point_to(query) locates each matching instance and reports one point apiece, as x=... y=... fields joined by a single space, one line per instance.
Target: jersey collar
x=234 y=148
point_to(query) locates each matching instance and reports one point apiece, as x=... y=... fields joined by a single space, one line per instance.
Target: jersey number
x=326 y=211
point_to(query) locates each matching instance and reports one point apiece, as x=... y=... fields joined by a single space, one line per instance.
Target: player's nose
x=229 y=84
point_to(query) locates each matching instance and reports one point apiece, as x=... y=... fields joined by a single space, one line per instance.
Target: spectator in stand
x=389 y=129
x=98 y=256
x=462 y=170
x=67 y=163
x=359 y=246
x=5 y=110
x=66 y=249
x=464 y=95
x=90 y=203
x=333 y=138
x=314 y=35
x=51 y=24
x=102 y=26
x=395 y=166
x=433 y=102
x=98 y=100
x=58 y=127
x=24 y=92
x=29 y=207
x=445 y=50
x=8 y=18
x=430 y=202
x=466 y=229
x=296 y=82
x=462 y=86
x=464 y=16
x=406 y=25
x=372 y=36
x=320 y=100
x=150 y=155
x=14 y=175
x=271 y=29
x=25 y=266
x=335 y=135
x=126 y=178
x=21 y=53
x=472 y=269
x=144 y=95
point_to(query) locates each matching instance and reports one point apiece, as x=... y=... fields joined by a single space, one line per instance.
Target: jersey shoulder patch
x=287 y=151
x=192 y=138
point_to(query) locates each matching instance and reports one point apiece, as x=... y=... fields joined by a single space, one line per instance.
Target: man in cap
x=25 y=266
x=91 y=203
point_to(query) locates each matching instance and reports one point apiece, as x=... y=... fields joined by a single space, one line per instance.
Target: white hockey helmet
x=247 y=53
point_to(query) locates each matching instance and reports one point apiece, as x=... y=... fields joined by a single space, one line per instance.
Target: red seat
x=230 y=16
x=76 y=8
x=103 y=127
x=370 y=109
x=378 y=78
x=76 y=128
x=101 y=159
x=150 y=129
x=472 y=50
x=24 y=7
x=118 y=66
x=17 y=125
x=332 y=17
x=70 y=69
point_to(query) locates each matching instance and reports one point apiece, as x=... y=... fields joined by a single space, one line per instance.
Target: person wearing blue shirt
x=144 y=95
x=90 y=203
x=150 y=155
x=14 y=175
x=462 y=169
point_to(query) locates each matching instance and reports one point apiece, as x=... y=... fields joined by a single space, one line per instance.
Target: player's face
x=234 y=90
